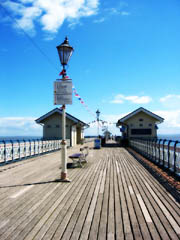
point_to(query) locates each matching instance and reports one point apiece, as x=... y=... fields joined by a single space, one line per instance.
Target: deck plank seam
x=59 y=199
x=76 y=190
x=130 y=205
x=165 y=203
x=149 y=193
x=69 y=218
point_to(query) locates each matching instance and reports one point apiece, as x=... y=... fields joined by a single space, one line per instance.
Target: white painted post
x=64 y=147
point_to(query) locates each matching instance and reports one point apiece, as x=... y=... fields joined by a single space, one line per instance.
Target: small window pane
x=141 y=131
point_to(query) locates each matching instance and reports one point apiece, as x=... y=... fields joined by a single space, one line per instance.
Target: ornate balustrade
x=165 y=153
x=13 y=150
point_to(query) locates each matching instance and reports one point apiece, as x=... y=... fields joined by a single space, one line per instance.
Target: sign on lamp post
x=62 y=92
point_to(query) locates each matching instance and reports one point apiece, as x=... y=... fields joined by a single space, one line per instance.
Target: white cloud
x=171 y=124
x=117 y=11
x=170 y=97
x=134 y=99
x=100 y=20
x=19 y=126
x=172 y=118
x=123 y=13
x=51 y=14
x=171 y=101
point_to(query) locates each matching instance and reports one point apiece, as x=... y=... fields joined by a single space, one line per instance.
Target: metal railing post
x=176 y=142
x=154 y=149
x=147 y=148
x=34 y=147
x=163 y=150
x=12 y=150
x=159 y=160
x=29 y=147
x=19 y=153
x=4 y=142
x=169 y=142
x=24 y=148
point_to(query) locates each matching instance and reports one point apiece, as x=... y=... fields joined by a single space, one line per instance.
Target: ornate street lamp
x=98 y=114
x=65 y=51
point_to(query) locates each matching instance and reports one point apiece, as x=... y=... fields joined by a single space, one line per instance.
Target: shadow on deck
x=111 y=145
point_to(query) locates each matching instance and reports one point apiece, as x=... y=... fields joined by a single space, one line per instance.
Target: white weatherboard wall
x=73 y=136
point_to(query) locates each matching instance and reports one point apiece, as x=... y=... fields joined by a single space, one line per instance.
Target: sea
x=174 y=137
x=20 y=138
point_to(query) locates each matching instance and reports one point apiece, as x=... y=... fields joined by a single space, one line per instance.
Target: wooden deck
x=112 y=197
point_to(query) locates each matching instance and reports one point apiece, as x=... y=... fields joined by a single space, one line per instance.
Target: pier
x=113 y=196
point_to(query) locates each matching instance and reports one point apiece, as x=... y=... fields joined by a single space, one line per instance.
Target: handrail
x=13 y=150
x=165 y=153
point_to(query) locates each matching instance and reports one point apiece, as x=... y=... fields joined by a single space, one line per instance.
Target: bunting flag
x=82 y=101
x=62 y=72
x=100 y=122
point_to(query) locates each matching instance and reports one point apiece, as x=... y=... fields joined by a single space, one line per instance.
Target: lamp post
x=65 y=51
x=97 y=114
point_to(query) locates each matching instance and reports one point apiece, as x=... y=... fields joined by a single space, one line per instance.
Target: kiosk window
x=141 y=131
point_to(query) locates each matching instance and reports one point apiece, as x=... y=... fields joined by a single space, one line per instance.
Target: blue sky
x=127 y=55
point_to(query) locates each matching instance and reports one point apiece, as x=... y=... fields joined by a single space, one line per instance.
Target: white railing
x=12 y=150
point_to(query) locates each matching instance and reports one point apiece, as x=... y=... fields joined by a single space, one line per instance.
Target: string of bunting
x=101 y=122
x=82 y=101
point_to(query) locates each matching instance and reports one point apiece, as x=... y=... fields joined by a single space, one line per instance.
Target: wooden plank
x=104 y=215
x=131 y=181
x=112 y=197
x=15 y=212
x=164 y=210
x=162 y=192
x=125 y=215
x=130 y=208
x=57 y=200
x=65 y=228
x=118 y=205
x=157 y=227
x=111 y=211
x=85 y=218
x=40 y=180
x=162 y=224
x=21 y=220
x=144 y=209
x=16 y=180
x=97 y=213
x=22 y=191
x=48 y=228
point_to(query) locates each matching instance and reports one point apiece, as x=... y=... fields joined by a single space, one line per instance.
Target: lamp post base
x=63 y=178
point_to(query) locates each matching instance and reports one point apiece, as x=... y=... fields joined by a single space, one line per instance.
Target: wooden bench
x=79 y=158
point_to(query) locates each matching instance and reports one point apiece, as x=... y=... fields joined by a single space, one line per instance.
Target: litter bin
x=97 y=143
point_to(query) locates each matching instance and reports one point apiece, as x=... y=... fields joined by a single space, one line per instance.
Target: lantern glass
x=65 y=51
x=97 y=113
